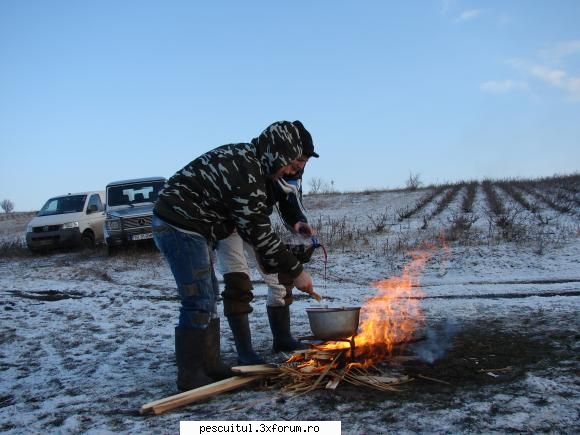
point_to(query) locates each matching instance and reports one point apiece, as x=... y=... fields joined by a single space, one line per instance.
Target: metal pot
x=333 y=323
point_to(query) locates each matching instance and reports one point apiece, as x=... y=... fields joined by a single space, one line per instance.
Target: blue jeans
x=190 y=261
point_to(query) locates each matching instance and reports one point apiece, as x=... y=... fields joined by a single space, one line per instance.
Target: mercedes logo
x=142 y=221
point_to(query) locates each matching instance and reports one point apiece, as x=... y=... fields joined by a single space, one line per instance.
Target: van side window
x=96 y=200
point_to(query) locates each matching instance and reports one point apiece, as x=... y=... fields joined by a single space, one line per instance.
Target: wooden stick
x=182 y=399
x=505 y=369
x=433 y=379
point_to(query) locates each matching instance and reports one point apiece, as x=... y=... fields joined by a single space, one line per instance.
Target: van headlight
x=29 y=228
x=113 y=224
x=69 y=225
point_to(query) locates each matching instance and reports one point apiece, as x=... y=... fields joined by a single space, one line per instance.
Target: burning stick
x=326 y=371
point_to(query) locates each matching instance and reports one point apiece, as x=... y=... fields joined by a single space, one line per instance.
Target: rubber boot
x=214 y=366
x=190 y=348
x=279 y=318
x=240 y=327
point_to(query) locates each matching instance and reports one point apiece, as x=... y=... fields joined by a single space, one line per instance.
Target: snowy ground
x=87 y=339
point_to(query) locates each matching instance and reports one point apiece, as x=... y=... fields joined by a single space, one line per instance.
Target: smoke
x=439 y=339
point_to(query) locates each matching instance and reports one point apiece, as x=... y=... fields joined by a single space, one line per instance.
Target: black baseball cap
x=306 y=138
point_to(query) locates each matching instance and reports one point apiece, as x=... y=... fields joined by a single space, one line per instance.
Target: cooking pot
x=333 y=323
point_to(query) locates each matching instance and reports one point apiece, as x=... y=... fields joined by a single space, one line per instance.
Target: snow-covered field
x=87 y=339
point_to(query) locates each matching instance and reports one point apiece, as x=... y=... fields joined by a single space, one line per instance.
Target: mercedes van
x=129 y=209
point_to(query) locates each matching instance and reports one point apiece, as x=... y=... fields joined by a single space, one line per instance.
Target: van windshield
x=130 y=194
x=63 y=205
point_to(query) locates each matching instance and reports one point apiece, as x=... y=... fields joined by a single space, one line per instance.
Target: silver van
x=71 y=220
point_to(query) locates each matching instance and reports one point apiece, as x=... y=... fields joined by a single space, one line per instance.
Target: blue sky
x=96 y=91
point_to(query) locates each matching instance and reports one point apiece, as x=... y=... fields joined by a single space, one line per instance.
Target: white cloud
x=503 y=86
x=557 y=77
x=553 y=76
x=556 y=53
x=469 y=15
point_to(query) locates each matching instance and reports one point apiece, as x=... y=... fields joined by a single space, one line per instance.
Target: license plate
x=142 y=236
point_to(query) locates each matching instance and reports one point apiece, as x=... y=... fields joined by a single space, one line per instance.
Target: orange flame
x=393 y=314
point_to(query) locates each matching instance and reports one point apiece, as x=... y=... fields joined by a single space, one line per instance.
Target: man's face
x=294 y=167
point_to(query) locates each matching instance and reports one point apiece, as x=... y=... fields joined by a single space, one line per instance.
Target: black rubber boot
x=279 y=318
x=240 y=327
x=190 y=345
x=214 y=366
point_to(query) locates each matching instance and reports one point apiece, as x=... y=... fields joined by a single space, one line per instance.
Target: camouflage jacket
x=229 y=188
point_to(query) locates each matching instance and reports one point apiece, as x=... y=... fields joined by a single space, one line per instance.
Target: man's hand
x=304 y=229
x=303 y=282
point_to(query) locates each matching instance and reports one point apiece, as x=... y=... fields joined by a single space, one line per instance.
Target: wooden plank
x=257 y=369
x=182 y=399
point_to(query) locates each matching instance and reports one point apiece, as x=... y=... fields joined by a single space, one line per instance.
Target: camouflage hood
x=278 y=144
x=227 y=189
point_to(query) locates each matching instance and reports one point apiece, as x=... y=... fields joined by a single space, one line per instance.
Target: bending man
x=221 y=191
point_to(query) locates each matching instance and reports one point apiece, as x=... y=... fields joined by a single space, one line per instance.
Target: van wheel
x=88 y=240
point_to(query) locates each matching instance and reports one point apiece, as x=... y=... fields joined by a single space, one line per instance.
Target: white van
x=76 y=219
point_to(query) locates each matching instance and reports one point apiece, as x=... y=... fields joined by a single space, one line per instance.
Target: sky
x=97 y=91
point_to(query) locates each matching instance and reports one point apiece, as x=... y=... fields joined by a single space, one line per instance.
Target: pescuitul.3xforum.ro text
x=250 y=428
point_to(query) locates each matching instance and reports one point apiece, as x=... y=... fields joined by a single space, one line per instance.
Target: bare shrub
x=423 y=201
x=460 y=229
x=517 y=195
x=562 y=208
x=564 y=199
x=380 y=221
x=320 y=186
x=449 y=196
x=469 y=197
x=14 y=249
x=570 y=183
x=413 y=182
x=511 y=224
x=337 y=232
x=493 y=201
x=7 y=205
x=403 y=213
x=315 y=185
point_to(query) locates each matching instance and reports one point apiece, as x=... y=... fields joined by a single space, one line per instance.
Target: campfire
x=389 y=320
